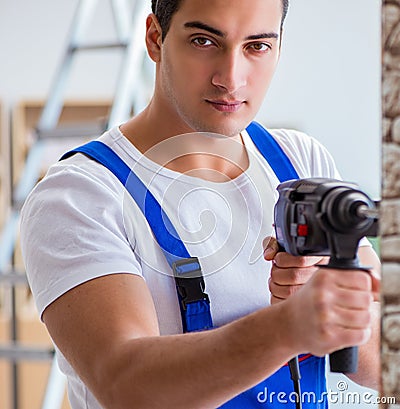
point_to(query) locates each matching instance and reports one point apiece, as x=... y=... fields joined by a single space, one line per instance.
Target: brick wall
x=390 y=219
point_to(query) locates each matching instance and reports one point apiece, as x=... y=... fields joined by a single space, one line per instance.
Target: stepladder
x=130 y=96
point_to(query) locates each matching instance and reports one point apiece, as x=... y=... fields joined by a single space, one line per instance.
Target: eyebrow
x=219 y=33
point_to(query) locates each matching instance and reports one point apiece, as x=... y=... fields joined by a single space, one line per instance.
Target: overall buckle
x=189 y=280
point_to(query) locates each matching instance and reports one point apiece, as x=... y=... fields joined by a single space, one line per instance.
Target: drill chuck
x=320 y=216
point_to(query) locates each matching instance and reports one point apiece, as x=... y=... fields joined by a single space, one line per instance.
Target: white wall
x=327 y=84
x=33 y=37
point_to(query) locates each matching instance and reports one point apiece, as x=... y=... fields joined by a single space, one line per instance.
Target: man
x=102 y=284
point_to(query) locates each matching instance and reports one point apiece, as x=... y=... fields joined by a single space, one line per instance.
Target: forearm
x=199 y=370
x=107 y=330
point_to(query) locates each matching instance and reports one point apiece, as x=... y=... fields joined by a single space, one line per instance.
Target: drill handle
x=344 y=360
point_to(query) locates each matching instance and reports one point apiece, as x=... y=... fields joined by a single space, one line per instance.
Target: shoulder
x=76 y=191
x=297 y=143
x=72 y=187
x=307 y=154
x=75 y=178
x=76 y=198
x=73 y=229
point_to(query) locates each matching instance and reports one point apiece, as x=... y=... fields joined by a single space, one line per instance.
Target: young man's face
x=217 y=62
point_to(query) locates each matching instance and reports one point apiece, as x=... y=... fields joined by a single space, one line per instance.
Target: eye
x=260 y=47
x=202 y=42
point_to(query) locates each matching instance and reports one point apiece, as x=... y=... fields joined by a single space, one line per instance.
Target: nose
x=230 y=72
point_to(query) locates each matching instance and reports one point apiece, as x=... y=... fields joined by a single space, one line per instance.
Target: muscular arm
x=107 y=329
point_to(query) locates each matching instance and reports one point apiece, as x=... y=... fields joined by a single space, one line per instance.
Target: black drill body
x=326 y=217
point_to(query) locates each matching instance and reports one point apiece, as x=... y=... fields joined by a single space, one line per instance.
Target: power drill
x=326 y=217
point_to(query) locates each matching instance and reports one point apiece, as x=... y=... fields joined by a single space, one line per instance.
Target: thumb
x=271 y=247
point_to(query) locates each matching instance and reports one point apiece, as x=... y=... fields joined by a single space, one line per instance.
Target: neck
x=151 y=127
x=179 y=148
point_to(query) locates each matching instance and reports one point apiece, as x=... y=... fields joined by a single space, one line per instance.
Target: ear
x=280 y=40
x=153 y=38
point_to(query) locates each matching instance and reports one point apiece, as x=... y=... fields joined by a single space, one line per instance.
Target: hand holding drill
x=315 y=218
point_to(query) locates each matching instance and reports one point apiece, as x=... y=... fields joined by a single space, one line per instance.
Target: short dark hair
x=165 y=9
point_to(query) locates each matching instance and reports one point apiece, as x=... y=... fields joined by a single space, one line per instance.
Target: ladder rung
x=98 y=46
x=73 y=131
x=16 y=352
x=8 y=239
x=13 y=278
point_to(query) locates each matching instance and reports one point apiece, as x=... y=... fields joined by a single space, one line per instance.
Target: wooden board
x=25 y=119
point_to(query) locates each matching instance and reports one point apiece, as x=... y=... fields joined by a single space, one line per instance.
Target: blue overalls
x=277 y=390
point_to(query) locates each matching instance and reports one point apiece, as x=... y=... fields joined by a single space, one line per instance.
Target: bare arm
x=107 y=329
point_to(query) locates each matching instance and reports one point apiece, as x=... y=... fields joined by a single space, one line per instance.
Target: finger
x=324 y=260
x=283 y=291
x=276 y=300
x=376 y=281
x=353 y=299
x=376 y=284
x=349 y=337
x=353 y=279
x=285 y=260
x=291 y=276
x=376 y=295
x=352 y=319
x=271 y=248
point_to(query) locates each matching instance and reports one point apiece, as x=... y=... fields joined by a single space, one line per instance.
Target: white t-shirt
x=80 y=223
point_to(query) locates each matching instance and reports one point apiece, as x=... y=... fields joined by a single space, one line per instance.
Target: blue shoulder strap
x=194 y=302
x=166 y=235
x=272 y=152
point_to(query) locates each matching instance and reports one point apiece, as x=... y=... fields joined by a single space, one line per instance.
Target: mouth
x=225 y=106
